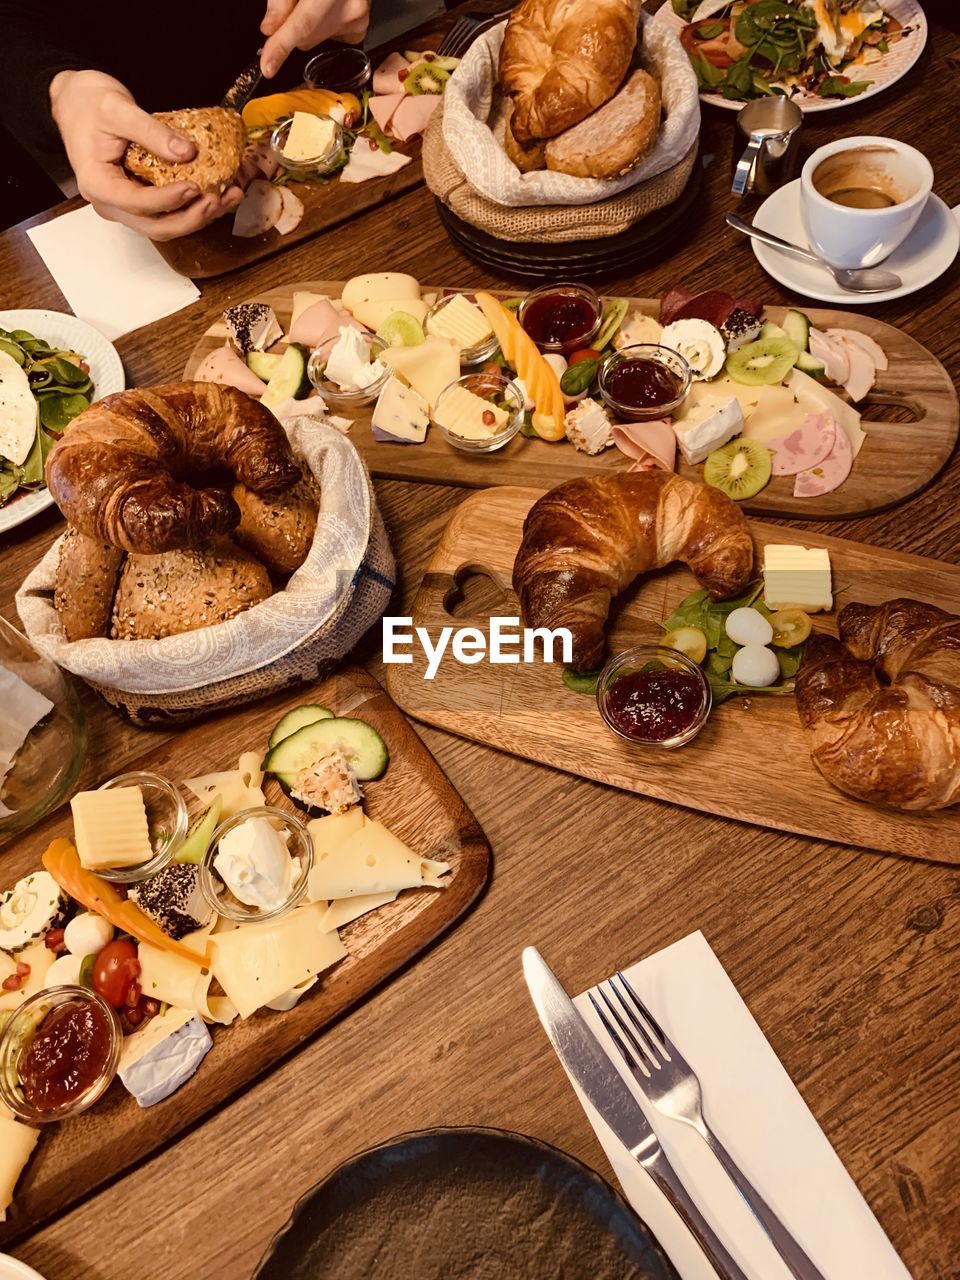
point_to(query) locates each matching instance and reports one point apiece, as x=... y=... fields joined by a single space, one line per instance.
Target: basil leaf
x=708 y=30
x=579 y=377
x=581 y=682
x=13 y=350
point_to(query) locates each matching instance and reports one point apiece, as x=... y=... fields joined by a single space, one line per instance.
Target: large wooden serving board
x=748 y=763
x=413 y=797
x=911 y=419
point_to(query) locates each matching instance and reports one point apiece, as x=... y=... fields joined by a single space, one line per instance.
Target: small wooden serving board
x=898 y=458
x=749 y=762
x=413 y=798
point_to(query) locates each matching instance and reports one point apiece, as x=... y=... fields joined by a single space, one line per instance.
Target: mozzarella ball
x=756 y=666
x=64 y=972
x=523 y=393
x=556 y=362
x=748 y=626
x=87 y=933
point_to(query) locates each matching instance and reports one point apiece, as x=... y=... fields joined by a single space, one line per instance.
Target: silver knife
x=599 y=1079
x=242 y=89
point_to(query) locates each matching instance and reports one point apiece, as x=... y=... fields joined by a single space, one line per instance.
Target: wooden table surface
x=847 y=959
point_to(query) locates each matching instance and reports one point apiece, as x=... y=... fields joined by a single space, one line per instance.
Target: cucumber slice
x=290 y=379
x=810 y=364
x=199 y=834
x=296 y=719
x=362 y=745
x=797 y=328
x=770 y=330
x=264 y=363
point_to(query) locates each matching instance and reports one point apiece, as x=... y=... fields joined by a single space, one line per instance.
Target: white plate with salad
x=821 y=53
x=52 y=367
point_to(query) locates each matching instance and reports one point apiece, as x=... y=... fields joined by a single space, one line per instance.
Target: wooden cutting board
x=749 y=762
x=413 y=798
x=911 y=418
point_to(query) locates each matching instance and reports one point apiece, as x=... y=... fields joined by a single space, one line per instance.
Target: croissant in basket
x=880 y=707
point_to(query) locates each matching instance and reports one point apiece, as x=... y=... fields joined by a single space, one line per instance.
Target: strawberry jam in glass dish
x=561 y=317
x=654 y=697
x=643 y=382
x=59 y=1052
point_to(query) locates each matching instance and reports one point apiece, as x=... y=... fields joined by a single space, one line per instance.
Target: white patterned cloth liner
x=258 y=636
x=469 y=133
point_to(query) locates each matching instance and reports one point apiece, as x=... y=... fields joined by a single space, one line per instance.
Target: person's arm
x=302 y=24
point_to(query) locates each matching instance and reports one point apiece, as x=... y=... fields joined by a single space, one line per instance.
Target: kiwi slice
x=436 y=59
x=199 y=834
x=763 y=362
x=426 y=77
x=740 y=469
x=401 y=329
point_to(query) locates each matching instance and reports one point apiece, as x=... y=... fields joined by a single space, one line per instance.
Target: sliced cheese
x=817 y=398
x=345 y=910
x=168 y=977
x=428 y=368
x=39 y=957
x=239 y=788
x=110 y=828
x=330 y=832
x=257 y=963
x=462 y=321
x=371 y=861
x=380 y=286
x=465 y=414
x=797 y=577
x=17 y=1142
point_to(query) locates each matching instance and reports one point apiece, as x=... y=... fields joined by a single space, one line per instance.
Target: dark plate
x=463 y=1204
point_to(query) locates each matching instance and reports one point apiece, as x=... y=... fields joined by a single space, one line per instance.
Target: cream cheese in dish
x=254 y=863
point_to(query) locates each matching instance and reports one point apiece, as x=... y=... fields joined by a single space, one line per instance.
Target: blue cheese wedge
x=401 y=414
x=156 y=1060
x=706 y=425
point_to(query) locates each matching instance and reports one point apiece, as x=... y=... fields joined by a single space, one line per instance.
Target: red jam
x=67 y=1055
x=643 y=384
x=560 y=320
x=655 y=706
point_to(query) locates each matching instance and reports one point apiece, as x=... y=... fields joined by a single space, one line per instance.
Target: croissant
x=127 y=470
x=880 y=707
x=586 y=540
x=561 y=59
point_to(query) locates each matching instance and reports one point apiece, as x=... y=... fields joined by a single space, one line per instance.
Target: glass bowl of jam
x=561 y=317
x=644 y=382
x=59 y=1053
x=344 y=68
x=474 y=427
x=167 y=823
x=654 y=697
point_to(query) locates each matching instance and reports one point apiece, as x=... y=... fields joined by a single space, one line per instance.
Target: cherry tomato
x=115 y=970
x=585 y=353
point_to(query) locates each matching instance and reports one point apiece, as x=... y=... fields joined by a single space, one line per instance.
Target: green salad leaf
x=839 y=87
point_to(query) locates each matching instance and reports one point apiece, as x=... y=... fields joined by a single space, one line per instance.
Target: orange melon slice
x=522 y=354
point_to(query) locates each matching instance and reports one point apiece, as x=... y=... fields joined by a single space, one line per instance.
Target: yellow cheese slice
x=239 y=788
x=39 y=957
x=257 y=963
x=462 y=321
x=371 y=861
x=330 y=832
x=769 y=422
x=345 y=910
x=468 y=415
x=17 y=1142
x=428 y=368
x=175 y=981
x=110 y=828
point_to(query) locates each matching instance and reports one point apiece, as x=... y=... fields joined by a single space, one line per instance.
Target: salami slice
x=828 y=474
x=805 y=446
x=671 y=302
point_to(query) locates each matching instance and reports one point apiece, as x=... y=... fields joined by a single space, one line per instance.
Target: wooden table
x=846 y=959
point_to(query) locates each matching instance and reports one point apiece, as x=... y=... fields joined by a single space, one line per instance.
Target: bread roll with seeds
x=220 y=138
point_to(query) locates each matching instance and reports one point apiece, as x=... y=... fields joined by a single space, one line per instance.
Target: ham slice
x=833 y=354
x=804 y=447
x=368 y=161
x=292 y=212
x=386 y=78
x=829 y=474
x=413 y=115
x=225 y=367
x=865 y=342
x=863 y=372
x=383 y=106
x=259 y=209
x=651 y=445
x=319 y=326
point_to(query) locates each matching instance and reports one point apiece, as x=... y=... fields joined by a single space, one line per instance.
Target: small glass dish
x=573 y=341
x=501 y=392
x=468 y=355
x=671 y=360
x=18 y=1032
x=167 y=823
x=335 y=396
x=299 y=845
x=345 y=68
x=654 y=659
x=314 y=166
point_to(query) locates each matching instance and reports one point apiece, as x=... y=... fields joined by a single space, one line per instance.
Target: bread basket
x=299 y=634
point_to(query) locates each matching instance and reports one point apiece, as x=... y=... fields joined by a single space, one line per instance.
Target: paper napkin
x=756 y=1111
x=112 y=277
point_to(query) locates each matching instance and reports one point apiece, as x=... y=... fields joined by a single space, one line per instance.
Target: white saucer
x=925 y=255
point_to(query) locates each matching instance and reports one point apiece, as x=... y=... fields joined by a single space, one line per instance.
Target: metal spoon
x=859 y=280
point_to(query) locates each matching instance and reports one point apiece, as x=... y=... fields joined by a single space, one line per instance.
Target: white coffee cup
x=861 y=237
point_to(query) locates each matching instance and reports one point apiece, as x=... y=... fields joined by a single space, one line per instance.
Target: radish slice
x=865 y=342
x=833 y=354
x=258 y=211
x=291 y=213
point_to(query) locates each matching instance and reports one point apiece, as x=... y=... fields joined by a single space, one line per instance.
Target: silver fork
x=673 y=1087
x=461 y=35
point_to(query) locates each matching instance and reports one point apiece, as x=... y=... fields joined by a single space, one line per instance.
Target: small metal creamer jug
x=772 y=129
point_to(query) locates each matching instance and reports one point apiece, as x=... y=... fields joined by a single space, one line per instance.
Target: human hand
x=97 y=117
x=302 y=24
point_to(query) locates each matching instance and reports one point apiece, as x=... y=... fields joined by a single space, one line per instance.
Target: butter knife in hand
x=243 y=88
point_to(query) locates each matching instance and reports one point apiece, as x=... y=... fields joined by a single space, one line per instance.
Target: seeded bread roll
x=614 y=139
x=278 y=531
x=179 y=591
x=87 y=573
x=220 y=138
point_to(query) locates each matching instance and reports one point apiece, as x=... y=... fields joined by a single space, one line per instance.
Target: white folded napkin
x=112 y=277
x=756 y=1111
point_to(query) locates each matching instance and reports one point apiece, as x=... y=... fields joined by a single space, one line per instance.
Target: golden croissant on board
x=880 y=707
x=586 y=540
x=561 y=59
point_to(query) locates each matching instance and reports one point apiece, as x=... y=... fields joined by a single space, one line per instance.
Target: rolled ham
x=291 y=214
x=386 y=78
x=319 y=326
x=805 y=447
x=833 y=354
x=382 y=107
x=413 y=114
x=830 y=473
x=225 y=367
x=259 y=209
x=651 y=445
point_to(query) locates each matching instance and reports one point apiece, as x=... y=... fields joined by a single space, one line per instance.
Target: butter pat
x=462 y=321
x=110 y=828
x=310 y=137
x=797 y=578
x=469 y=416
x=706 y=426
